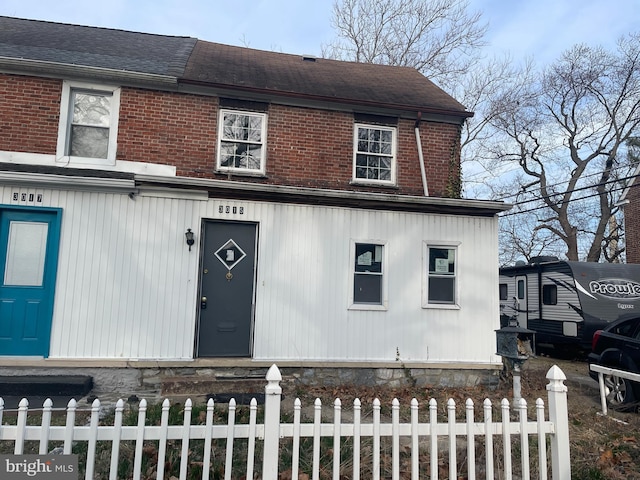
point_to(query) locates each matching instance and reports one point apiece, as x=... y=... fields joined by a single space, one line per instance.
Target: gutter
x=420 y=155
x=311 y=196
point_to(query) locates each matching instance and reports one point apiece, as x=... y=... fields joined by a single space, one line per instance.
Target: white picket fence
x=402 y=447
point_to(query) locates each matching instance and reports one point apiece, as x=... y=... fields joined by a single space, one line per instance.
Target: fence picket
x=46 y=424
x=70 y=426
x=506 y=438
x=542 y=439
x=231 y=422
x=357 y=411
x=317 y=421
x=524 y=439
x=433 y=438
x=337 y=419
x=488 y=438
x=471 y=443
x=137 y=459
x=376 y=439
x=554 y=430
x=251 y=444
x=93 y=436
x=115 y=444
x=295 y=454
x=415 y=455
x=23 y=407
x=451 y=421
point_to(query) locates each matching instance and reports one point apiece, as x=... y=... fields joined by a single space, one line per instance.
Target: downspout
x=420 y=156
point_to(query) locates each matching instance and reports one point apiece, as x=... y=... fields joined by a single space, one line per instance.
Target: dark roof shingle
x=94 y=47
x=319 y=78
x=189 y=60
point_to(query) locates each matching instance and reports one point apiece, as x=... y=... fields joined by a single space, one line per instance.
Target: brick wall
x=632 y=224
x=305 y=146
x=29 y=110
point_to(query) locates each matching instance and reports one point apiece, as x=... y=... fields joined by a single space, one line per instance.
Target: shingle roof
x=195 y=61
x=319 y=78
x=94 y=47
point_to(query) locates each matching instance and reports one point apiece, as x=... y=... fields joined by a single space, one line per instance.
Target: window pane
x=442 y=261
x=26 y=253
x=91 y=109
x=503 y=291
x=367 y=288
x=368 y=258
x=441 y=290
x=92 y=142
x=240 y=155
x=549 y=295
x=520 y=289
x=242 y=127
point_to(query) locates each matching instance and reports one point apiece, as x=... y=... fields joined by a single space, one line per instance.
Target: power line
x=542 y=207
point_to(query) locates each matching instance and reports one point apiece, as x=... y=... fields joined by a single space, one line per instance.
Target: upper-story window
x=374 y=154
x=242 y=142
x=88 y=128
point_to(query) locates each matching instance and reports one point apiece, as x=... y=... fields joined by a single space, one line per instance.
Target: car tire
x=619 y=391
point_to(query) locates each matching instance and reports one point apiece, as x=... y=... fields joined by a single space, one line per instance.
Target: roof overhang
x=238 y=190
x=131 y=183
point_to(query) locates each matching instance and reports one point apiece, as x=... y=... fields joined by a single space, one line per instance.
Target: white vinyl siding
x=127 y=285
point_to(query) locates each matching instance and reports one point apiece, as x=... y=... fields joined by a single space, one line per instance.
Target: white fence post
x=559 y=416
x=272 y=397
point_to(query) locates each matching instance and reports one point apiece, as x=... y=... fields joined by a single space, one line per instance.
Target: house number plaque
x=231 y=209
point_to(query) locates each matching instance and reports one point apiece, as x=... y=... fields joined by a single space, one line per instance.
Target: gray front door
x=227 y=279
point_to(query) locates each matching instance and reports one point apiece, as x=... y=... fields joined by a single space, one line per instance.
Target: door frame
x=201 y=251
x=522 y=304
x=51 y=263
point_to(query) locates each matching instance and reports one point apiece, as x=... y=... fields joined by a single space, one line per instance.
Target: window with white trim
x=374 y=150
x=242 y=141
x=369 y=282
x=441 y=275
x=88 y=128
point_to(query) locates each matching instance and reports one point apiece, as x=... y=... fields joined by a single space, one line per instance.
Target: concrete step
x=220 y=389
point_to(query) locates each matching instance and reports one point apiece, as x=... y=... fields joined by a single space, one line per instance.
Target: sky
x=541 y=29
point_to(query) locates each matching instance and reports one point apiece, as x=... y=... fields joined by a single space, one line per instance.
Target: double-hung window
x=374 y=154
x=88 y=128
x=242 y=142
x=368 y=275
x=441 y=275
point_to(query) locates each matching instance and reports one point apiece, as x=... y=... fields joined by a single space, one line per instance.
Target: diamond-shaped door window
x=230 y=254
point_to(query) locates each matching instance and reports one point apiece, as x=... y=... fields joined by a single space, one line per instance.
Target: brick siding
x=632 y=224
x=305 y=146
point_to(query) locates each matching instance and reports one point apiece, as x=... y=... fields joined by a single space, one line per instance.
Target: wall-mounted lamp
x=189 y=235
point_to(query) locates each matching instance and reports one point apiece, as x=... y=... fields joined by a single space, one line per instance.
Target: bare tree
x=567 y=132
x=443 y=39
x=438 y=37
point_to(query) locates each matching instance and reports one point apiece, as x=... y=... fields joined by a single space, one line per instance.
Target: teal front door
x=29 y=240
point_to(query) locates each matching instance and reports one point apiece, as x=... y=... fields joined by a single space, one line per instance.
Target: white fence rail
x=322 y=449
x=614 y=372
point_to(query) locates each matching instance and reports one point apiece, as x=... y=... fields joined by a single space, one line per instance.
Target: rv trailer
x=565 y=302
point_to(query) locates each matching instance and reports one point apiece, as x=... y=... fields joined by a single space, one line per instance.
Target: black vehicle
x=618 y=346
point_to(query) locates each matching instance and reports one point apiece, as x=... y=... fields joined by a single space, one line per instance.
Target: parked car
x=618 y=346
